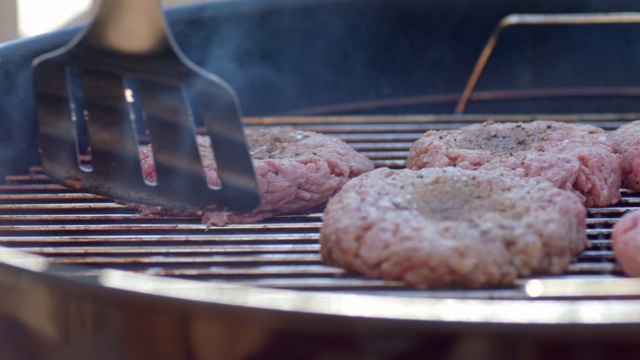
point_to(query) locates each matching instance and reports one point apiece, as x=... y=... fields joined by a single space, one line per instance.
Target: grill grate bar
x=151 y=250
x=344 y=283
x=32 y=187
x=596 y=232
x=602 y=221
x=133 y=227
x=217 y=272
x=147 y=240
x=87 y=218
x=376 y=155
x=600 y=243
x=27 y=178
x=597 y=254
x=51 y=197
x=434 y=121
x=374 y=147
x=594 y=268
x=191 y=260
x=395 y=164
x=65 y=206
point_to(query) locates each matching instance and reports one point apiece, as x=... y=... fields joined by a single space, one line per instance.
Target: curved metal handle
x=536 y=19
x=128 y=26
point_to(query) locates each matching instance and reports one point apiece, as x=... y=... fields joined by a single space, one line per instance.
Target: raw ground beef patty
x=575 y=157
x=627 y=142
x=626 y=242
x=296 y=171
x=452 y=227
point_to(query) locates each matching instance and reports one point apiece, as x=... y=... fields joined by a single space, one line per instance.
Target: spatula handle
x=128 y=26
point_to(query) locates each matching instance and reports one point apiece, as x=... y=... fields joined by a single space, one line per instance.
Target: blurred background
x=23 y=18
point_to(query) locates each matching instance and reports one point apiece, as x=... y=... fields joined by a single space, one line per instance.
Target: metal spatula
x=126 y=67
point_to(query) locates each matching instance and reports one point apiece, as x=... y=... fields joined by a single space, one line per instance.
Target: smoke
x=283 y=56
x=312 y=53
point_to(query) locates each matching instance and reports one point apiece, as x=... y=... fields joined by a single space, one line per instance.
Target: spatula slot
x=79 y=118
x=217 y=106
x=135 y=107
x=58 y=135
x=113 y=140
x=172 y=132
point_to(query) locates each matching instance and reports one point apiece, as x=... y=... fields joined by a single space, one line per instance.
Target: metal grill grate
x=94 y=233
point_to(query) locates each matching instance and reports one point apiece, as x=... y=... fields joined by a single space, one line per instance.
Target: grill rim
x=118 y=286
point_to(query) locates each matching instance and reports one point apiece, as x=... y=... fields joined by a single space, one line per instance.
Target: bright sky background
x=40 y=16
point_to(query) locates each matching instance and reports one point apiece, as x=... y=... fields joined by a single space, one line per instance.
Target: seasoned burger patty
x=448 y=226
x=575 y=157
x=296 y=171
x=627 y=142
x=626 y=242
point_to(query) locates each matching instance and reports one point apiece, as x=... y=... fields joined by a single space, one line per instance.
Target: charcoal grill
x=84 y=277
